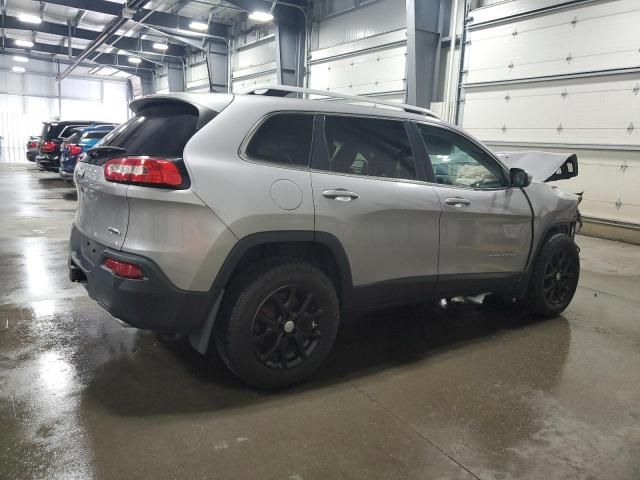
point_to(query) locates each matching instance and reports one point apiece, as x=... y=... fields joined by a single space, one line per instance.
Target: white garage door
x=540 y=75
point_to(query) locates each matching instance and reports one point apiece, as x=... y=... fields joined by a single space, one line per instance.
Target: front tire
x=555 y=276
x=278 y=323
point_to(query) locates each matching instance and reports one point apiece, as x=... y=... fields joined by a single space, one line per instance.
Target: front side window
x=457 y=161
x=284 y=138
x=369 y=146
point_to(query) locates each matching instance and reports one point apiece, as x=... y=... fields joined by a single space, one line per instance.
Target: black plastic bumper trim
x=150 y=303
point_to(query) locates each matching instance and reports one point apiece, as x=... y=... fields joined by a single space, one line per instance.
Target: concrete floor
x=466 y=392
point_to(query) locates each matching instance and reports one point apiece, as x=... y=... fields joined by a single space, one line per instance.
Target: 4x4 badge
x=114 y=230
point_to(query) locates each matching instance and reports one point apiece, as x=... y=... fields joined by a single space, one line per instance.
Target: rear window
x=75 y=138
x=56 y=130
x=51 y=130
x=161 y=130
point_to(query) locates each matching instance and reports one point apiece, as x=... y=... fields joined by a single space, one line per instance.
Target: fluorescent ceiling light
x=198 y=26
x=123 y=52
x=259 y=16
x=26 y=18
x=20 y=59
x=135 y=60
x=161 y=46
x=18 y=69
x=24 y=43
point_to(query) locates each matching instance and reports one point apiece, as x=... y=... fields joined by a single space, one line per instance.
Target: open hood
x=543 y=166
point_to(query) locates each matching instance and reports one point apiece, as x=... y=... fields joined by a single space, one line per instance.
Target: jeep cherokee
x=254 y=222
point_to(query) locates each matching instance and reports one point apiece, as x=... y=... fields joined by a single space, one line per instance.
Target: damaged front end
x=543 y=166
x=547 y=167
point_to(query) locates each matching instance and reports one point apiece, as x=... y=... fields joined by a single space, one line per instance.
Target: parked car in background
x=77 y=144
x=53 y=133
x=32 y=147
x=252 y=222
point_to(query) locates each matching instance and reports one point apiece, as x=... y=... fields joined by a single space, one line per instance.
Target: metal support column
x=290 y=46
x=175 y=74
x=218 y=64
x=424 y=31
x=146 y=84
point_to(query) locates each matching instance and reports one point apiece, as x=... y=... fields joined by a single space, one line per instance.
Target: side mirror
x=519 y=178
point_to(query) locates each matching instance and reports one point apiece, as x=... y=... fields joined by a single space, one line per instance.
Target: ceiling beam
x=159 y=19
x=265 y=5
x=126 y=43
x=107 y=59
x=139 y=72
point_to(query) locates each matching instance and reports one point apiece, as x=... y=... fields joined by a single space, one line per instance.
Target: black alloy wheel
x=286 y=328
x=278 y=321
x=559 y=274
x=554 y=278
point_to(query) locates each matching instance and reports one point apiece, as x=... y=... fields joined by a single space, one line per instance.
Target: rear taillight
x=123 y=269
x=74 y=149
x=48 y=146
x=143 y=170
x=32 y=145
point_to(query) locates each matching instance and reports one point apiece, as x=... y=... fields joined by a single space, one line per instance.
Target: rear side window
x=161 y=130
x=284 y=138
x=369 y=146
x=94 y=135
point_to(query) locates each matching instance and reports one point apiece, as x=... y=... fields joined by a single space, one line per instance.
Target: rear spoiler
x=208 y=105
x=543 y=166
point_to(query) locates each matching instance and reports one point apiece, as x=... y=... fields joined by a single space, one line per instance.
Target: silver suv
x=256 y=221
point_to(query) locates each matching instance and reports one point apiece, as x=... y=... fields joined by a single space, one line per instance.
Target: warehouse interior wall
x=520 y=75
x=28 y=99
x=540 y=75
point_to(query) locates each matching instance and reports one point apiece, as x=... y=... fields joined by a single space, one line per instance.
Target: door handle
x=457 y=201
x=340 y=194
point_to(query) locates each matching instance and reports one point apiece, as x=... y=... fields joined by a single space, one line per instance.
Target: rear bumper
x=66 y=175
x=31 y=156
x=49 y=162
x=151 y=303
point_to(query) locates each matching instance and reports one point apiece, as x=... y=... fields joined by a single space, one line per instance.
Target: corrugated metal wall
x=361 y=51
x=28 y=99
x=254 y=59
x=355 y=24
x=197 y=73
x=564 y=79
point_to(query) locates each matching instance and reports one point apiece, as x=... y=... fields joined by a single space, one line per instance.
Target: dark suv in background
x=53 y=133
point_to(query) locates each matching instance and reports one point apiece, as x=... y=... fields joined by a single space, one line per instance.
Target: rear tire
x=278 y=323
x=555 y=277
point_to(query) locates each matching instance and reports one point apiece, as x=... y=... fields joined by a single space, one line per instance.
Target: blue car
x=78 y=143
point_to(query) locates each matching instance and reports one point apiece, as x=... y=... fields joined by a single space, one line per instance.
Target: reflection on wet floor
x=463 y=390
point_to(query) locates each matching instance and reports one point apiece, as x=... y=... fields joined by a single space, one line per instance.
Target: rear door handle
x=340 y=194
x=457 y=201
